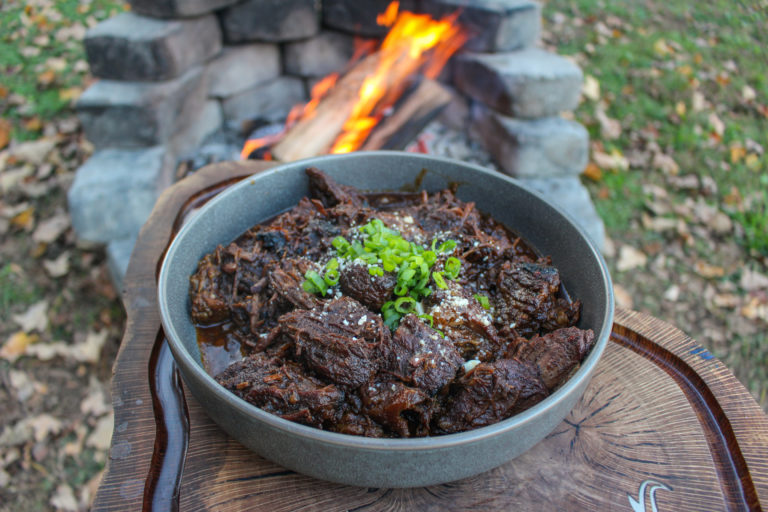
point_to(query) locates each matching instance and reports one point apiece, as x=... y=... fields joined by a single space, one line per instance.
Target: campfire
x=383 y=99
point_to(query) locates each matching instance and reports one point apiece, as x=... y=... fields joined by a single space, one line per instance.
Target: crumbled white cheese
x=362 y=320
x=470 y=365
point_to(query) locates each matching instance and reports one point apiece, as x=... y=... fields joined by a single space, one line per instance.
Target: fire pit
x=186 y=82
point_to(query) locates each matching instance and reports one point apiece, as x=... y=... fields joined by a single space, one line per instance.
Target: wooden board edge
x=735 y=410
x=129 y=462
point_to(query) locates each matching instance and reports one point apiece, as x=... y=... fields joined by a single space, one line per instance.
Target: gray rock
x=115 y=190
x=208 y=120
x=137 y=48
x=359 y=17
x=118 y=257
x=271 y=20
x=529 y=83
x=455 y=115
x=493 y=26
x=239 y=68
x=538 y=148
x=270 y=102
x=570 y=195
x=323 y=54
x=140 y=114
x=177 y=8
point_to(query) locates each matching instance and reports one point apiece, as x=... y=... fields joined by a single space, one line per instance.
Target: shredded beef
x=340 y=341
x=282 y=388
x=420 y=356
x=325 y=358
x=489 y=393
x=372 y=291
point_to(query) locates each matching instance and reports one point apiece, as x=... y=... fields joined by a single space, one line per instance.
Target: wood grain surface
x=662 y=426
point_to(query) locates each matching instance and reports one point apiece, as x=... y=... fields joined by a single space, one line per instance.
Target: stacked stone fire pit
x=177 y=74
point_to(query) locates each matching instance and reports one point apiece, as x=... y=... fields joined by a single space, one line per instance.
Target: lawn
x=675 y=100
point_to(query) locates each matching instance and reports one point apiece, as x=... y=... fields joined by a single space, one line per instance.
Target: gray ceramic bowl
x=367 y=461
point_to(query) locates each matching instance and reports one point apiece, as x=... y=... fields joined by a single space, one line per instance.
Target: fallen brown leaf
x=101 y=436
x=622 y=297
x=752 y=280
x=24 y=220
x=593 y=172
x=50 y=229
x=665 y=164
x=64 y=499
x=5 y=132
x=630 y=258
x=58 y=267
x=708 y=271
x=17 y=345
x=46 y=77
x=33 y=319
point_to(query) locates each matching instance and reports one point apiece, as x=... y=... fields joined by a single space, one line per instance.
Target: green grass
x=15 y=291
x=41 y=61
x=658 y=57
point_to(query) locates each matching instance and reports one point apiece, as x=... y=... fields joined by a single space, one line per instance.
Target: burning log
x=344 y=117
x=411 y=115
x=314 y=134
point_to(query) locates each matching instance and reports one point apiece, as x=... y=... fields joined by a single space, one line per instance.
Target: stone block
x=140 y=114
x=537 y=148
x=323 y=54
x=570 y=195
x=269 y=102
x=118 y=257
x=177 y=8
x=242 y=67
x=271 y=20
x=359 y=17
x=529 y=83
x=493 y=26
x=137 y=48
x=207 y=121
x=115 y=190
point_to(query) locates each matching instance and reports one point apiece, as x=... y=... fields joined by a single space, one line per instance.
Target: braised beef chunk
x=490 y=393
x=420 y=356
x=286 y=280
x=527 y=299
x=463 y=320
x=340 y=341
x=323 y=187
x=209 y=290
x=404 y=410
x=557 y=353
x=358 y=425
x=318 y=351
x=282 y=388
x=372 y=291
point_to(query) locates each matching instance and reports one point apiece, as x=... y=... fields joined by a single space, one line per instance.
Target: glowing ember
x=416 y=42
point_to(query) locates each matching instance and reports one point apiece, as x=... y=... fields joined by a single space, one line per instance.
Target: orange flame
x=415 y=42
x=403 y=51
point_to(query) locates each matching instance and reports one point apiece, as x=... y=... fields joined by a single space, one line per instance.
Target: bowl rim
x=185 y=360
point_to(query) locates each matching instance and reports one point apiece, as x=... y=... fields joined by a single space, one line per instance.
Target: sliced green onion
x=483 y=300
x=439 y=281
x=447 y=246
x=428 y=319
x=332 y=264
x=375 y=270
x=401 y=289
x=405 y=305
x=318 y=282
x=452 y=267
x=331 y=277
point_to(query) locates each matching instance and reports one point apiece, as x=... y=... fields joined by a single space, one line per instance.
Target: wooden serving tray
x=662 y=426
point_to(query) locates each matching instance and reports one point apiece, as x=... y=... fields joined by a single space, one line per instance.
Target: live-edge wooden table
x=662 y=426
